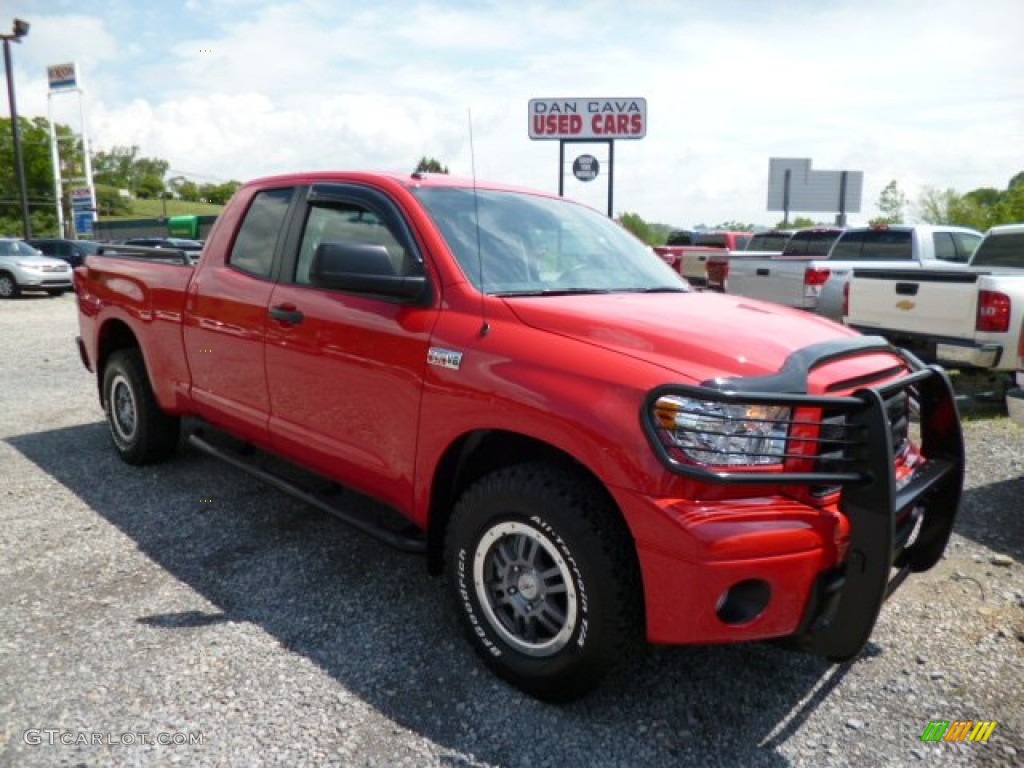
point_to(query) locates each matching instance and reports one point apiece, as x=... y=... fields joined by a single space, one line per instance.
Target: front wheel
x=8 y=286
x=544 y=577
x=142 y=433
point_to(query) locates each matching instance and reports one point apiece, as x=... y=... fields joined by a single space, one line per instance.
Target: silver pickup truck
x=816 y=283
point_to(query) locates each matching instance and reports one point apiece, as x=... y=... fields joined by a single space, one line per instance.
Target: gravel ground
x=190 y=603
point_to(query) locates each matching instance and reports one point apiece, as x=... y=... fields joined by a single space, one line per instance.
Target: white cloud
x=923 y=92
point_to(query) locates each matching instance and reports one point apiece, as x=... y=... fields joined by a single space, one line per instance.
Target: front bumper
x=32 y=279
x=820 y=574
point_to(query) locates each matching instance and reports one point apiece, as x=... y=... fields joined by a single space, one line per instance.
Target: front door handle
x=288 y=314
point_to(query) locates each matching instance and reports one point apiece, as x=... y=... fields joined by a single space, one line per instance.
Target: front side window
x=966 y=243
x=348 y=223
x=945 y=248
x=256 y=242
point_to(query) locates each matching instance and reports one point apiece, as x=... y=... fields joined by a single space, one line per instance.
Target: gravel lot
x=188 y=602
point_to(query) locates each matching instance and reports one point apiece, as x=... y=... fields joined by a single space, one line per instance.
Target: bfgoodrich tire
x=544 y=577
x=142 y=433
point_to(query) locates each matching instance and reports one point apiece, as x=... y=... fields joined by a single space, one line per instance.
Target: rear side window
x=254 y=247
x=680 y=238
x=712 y=240
x=1001 y=251
x=811 y=243
x=874 y=245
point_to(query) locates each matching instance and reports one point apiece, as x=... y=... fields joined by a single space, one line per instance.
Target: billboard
x=600 y=119
x=810 y=190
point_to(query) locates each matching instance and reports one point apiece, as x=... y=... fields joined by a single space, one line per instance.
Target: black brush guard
x=884 y=515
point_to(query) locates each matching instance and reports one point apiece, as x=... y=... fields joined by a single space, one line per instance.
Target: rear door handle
x=286 y=314
x=906 y=289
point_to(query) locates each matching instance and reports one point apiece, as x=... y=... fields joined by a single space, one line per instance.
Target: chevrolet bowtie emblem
x=906 y=305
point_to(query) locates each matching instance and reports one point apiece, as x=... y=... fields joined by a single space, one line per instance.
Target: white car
x=23 y=268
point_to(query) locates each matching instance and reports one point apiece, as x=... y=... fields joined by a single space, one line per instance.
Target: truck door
x=345 y=371
x=226 y=321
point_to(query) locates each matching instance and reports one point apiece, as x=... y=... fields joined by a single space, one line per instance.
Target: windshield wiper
x=552 y=292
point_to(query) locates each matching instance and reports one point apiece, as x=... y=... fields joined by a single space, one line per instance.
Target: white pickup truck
x=816 y=282
x=967 y=319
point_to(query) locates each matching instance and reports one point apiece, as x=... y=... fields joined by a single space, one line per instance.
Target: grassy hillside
x=152 y=209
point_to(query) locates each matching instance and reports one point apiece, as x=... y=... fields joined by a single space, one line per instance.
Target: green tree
x=110 y=201
x=123 y=168
x=891 y=203
x=800 y=222
x=38 y=164
x=430 y=165
x=735 y=226
x=635 y=224
x=219 y=193
x=1010 y=209
x=934 y=205
x=187 y=190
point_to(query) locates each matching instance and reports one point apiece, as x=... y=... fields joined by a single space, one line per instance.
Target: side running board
x=370 y=517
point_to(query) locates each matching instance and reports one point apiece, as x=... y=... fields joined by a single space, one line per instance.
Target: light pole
x=19 y=31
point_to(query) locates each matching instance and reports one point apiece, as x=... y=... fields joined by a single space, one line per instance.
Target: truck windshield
x=517 y=244
x=1000 y=251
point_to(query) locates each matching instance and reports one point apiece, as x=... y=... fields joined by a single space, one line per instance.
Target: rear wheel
x=8 y=286
x=142 y=433
x=544 y=579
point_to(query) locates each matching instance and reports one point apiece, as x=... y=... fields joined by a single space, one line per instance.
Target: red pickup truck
x=688 y=252
x=506 y=371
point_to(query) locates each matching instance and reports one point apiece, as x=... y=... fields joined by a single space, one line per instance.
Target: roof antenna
x=485 y=328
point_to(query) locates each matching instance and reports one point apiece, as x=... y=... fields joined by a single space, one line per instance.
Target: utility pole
x=19 y=31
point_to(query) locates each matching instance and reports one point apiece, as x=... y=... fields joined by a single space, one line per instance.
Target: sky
x=929 y=93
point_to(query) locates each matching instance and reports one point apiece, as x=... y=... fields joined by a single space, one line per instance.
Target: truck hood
x=698 y=336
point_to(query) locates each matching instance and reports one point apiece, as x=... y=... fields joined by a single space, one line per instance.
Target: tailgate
x=779 y=280
x=939 y=304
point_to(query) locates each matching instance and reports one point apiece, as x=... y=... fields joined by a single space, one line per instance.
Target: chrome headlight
x=722 y=434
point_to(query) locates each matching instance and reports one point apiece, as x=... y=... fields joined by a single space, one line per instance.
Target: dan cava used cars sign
x=588 y=118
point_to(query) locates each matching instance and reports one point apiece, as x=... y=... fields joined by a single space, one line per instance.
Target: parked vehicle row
x=815 y=280
x=754 y=280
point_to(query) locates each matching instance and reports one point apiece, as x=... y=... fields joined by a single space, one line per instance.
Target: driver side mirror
x=363 y=268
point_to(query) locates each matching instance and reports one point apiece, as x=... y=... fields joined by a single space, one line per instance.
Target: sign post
x=587 y=121
x=63 y=78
